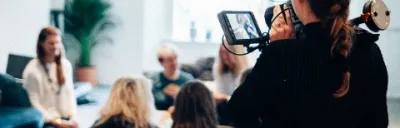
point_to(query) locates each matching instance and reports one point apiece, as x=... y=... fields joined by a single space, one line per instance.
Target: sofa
x=15 y=108
x=201 y=69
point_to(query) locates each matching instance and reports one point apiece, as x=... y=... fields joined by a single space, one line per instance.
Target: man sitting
x=168 y=82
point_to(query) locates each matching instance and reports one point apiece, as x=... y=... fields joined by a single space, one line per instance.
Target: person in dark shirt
x=296 y=82
x=195 y=107
x=366 y=100
x=168 y=82
x=127 y=106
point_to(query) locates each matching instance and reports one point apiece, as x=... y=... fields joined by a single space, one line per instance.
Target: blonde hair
x=241 y=62
x=127 y=100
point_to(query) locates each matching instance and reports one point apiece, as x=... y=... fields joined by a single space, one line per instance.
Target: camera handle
x=247 y=46
x=376 y=15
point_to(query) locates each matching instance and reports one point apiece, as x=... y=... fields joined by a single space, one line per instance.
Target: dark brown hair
x=44 y=34
x=336 y=13
x=194 y=107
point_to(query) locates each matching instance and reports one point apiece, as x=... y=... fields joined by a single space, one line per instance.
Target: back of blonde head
x=127 y=100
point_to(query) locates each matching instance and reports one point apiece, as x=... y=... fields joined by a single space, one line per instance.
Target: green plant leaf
x=88 y=21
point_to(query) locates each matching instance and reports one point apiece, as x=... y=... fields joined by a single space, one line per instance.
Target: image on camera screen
x=243 y=26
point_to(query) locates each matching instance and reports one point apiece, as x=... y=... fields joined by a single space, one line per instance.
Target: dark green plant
x=87 y=23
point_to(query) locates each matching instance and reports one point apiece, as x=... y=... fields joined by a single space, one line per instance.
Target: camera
x=241 y=28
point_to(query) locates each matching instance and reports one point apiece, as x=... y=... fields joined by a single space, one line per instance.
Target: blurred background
x=124 y=34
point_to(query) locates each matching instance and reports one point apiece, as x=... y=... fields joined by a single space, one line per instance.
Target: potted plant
x=86 y=25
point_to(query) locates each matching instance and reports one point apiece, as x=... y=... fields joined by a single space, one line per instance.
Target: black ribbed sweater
x=366 y=100
x=292 y=84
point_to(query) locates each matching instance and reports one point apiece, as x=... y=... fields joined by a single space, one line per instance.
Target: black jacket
x=118 y=122
x=292 y=84
x=369 y=82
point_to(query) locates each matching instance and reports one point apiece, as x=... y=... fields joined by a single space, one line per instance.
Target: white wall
x=158 y=26
x=193 y=51
x=20 y=24
x=124 y=58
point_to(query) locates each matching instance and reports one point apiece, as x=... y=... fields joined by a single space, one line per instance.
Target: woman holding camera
x=296 y=82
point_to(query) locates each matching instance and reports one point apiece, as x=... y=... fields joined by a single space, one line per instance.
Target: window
x=196 y=20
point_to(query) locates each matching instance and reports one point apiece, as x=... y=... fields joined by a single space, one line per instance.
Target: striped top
x=292 y=84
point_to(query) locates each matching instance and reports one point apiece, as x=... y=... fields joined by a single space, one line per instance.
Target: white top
x=226 y=84
x=43 y=93
x=154 y=114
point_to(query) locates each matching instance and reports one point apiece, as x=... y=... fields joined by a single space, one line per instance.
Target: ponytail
x=341 y=33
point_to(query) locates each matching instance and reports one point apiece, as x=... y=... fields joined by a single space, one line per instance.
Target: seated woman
x=194 y=107
x=224 y=117
x=48 y=81
x=127 y=106
x=227 y=69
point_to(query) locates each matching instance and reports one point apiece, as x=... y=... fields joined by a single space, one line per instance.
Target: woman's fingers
x=282 y=27
x=288 y=16
x=272 y=35
x=276 y=10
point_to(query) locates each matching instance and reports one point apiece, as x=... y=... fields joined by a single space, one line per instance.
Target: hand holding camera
x=282 y=28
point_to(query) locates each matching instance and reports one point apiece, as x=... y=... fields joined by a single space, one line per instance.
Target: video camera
x=241 y=28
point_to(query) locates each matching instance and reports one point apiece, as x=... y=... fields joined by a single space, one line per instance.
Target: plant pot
x=87 y=74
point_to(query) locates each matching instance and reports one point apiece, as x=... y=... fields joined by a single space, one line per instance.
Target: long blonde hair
x=127 y=100
x=241 y=62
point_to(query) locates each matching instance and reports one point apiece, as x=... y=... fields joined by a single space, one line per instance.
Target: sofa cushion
x=13 y=94
x=19 y=117
x=205 y=63
x=191 y=69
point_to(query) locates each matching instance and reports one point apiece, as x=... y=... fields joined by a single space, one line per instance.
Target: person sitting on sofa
x=168 y=82
x=226 y=70
x=49 y=82
x=127 y=106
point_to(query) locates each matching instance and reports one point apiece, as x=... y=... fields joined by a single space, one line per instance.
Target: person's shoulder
x=155 y=77
x=186 y=76
x=33 y=63
x=31 y=68
x=112 y=122
x=66 y=63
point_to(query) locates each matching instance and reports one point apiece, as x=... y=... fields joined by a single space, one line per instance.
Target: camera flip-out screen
x=240 y=27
